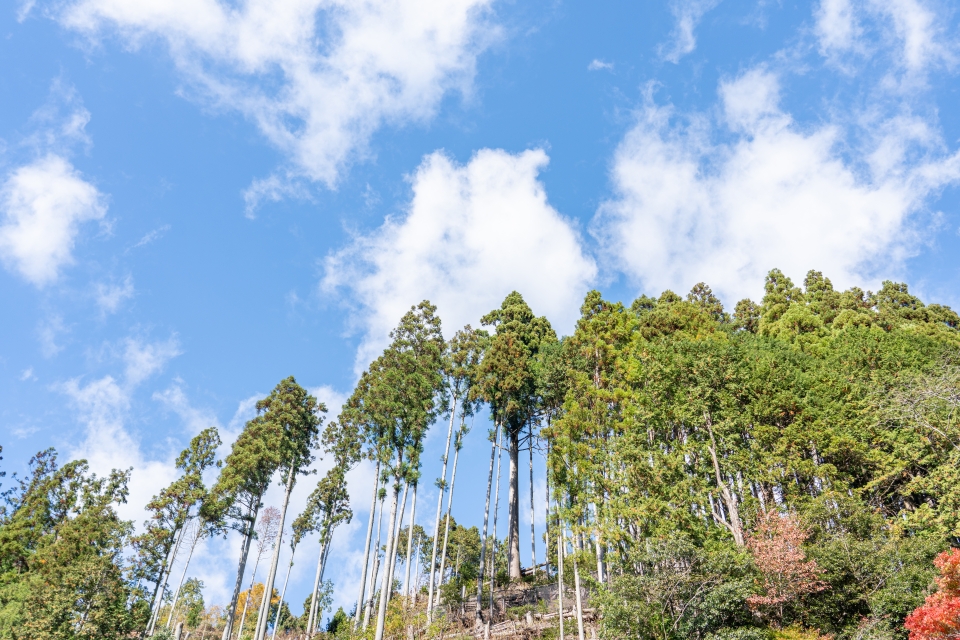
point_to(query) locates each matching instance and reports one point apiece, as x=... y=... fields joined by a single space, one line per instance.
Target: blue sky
x=202 y=197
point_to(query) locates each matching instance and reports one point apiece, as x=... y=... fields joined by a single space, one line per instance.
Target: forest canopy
x=789 y=469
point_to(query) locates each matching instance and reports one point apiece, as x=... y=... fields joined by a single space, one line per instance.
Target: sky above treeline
x=199 y=198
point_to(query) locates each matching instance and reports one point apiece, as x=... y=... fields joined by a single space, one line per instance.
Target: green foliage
x=679 y=426
x=61 y=566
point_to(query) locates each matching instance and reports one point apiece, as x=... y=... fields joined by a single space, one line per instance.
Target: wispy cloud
x=103 y=406
x=687 y=15
x=49 y=332
x=150 y=237
x=317 y=78
x=109 y=295
x=599 y=65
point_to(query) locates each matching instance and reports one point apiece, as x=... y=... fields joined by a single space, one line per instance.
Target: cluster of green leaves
x=680 y=425
x=61 y=546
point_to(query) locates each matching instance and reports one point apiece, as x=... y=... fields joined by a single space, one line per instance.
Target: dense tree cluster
x=790 y=470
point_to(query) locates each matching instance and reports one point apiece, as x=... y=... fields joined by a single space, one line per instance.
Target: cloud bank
x=471 y=234
x=769 y=193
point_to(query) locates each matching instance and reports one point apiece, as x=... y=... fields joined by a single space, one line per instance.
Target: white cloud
x=110 y=295
x=28 y=374
x=103 y=407
x=909 y=32
x=43 y=205
x=687 y=14
x=49 y=333
x=471 y=234
x=837 y=28
x=919 y=29
x=150 y=237
x=774 y=195
x=331 y=398
x=318 y=77
x=195 y=419
x=600 y=65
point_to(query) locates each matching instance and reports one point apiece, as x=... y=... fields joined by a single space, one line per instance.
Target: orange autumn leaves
x=938 y=618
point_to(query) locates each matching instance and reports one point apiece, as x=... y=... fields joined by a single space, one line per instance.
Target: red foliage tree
x=777 y=548
x=938 y=618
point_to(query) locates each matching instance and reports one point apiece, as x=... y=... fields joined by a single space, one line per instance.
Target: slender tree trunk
x=416 y=573
x=513 y=501
x=366 y=547
x=396 y=541
x=560 y=577
x=283 y=593
x=176 y=594
x=155 y=600
x=493 y=547
x=382 y=609
x=446 y=534
x=264 y=618
x=486 y=518
x=325 y=539
x=546 y=522
x=533 y=528
x=368 y=607
x=316 y=587
x=413 y=516
x=576 y=585
x=248 y=600
x=166 y=576
x=436 y=524
x=244 y=550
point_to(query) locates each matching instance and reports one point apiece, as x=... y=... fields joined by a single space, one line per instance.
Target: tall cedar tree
x=402 y=401
x=508 y=381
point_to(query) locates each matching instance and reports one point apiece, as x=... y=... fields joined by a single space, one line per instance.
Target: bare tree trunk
x=382 y=610
x=409 y=562
x=311 y=622
x=264 y=618
x=176 y=594
x=446 y=531
x=576 y=585
x=155 y=600
x=368 y=607
x=416 y=573
x=513 y=507
x=560 y=577
x=493 y=546
x=729 y=499
x=283 y=593
x=396 y=540
x=366 y=547
x=166 y=576
x=436 y=526
x=486 y=519
x=244 y=550
x=533 y=529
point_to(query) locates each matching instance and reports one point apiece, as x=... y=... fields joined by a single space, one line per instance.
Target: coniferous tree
x=295 y=415
x=508 y=379
x=404 y=403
